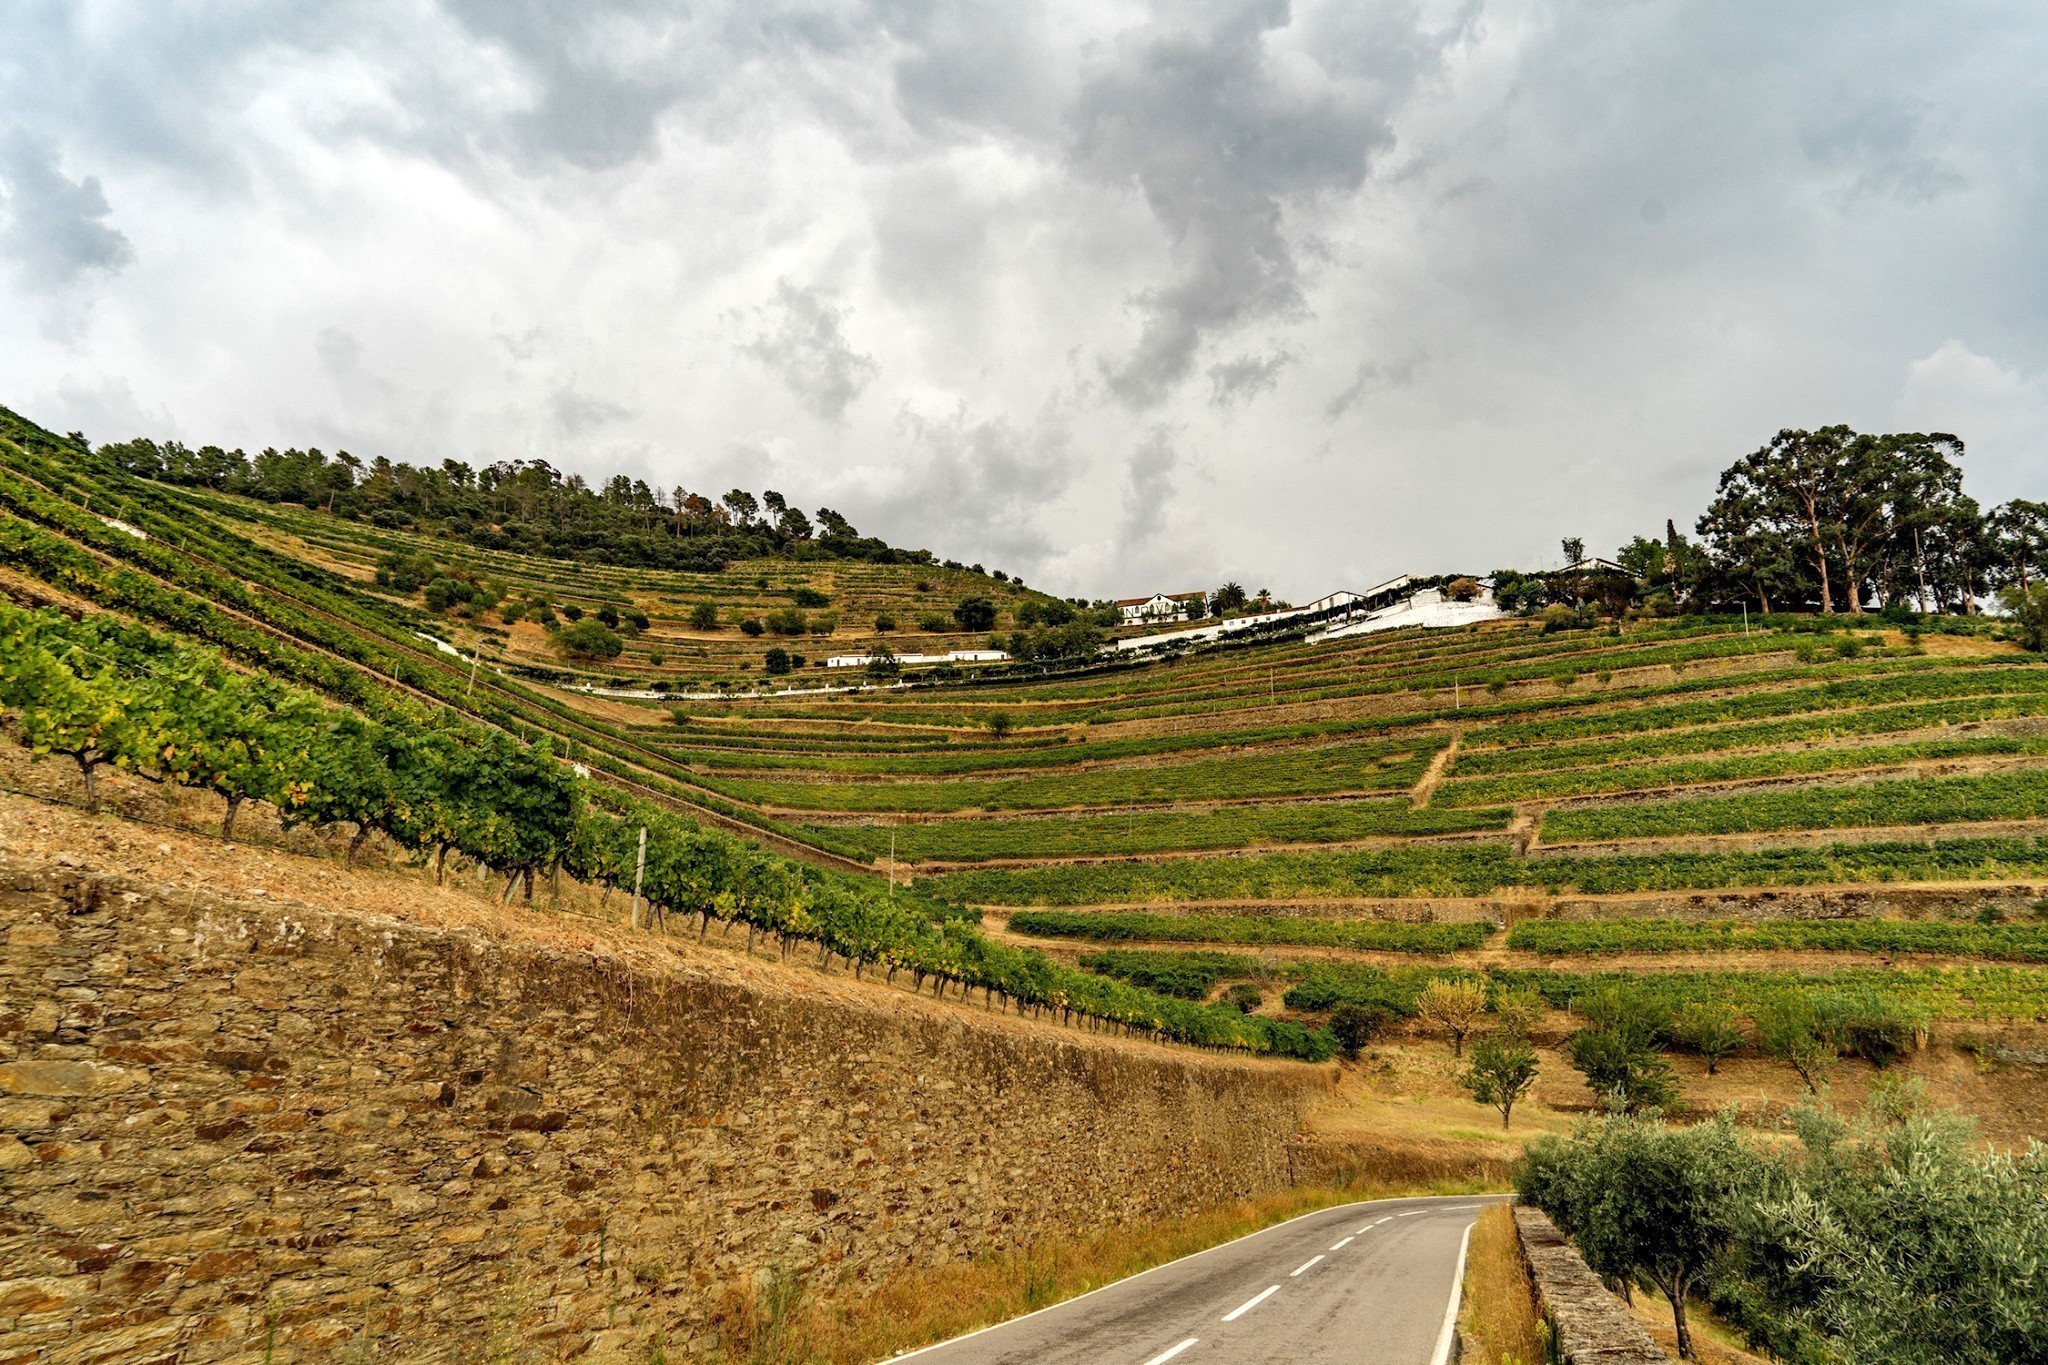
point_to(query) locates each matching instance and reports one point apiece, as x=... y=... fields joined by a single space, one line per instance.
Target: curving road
x=1367 y=1284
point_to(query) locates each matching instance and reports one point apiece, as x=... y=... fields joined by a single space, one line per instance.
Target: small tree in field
x=1354 y=1026
x=1708 y=1028
x=1500 y=1074
x=1456 y=1007
x=998 y=724
x=1519 y=1009
x=1788 y=1029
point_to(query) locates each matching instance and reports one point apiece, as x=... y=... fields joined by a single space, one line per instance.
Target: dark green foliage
x=1984 y=939
x=519 y=506
x=1246 y=998
x=1709 y=1029
x=1619 y=1051
x=975 y=614
x=1356 y=1026
x=776 y=661
x=1185 y=976
x=1645 y=1202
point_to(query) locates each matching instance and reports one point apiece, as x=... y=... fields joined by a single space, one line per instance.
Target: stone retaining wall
x=257 y=1132
x=1592 y=1326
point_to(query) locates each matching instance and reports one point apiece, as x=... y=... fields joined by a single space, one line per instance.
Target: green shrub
x=588 y=640
x=1356 y=1026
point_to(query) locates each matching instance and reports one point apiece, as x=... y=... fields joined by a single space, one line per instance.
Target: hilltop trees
x=526 y=506
x=1843 y=514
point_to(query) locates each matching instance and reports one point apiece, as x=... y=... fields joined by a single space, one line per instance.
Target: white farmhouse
x=1161 y=606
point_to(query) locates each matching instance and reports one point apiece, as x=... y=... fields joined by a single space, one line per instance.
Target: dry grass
x=778 y=1322
x=1714 y=1342
x=1499 y=1318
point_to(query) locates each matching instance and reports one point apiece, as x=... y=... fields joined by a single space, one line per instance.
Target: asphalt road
x=1366 y=1284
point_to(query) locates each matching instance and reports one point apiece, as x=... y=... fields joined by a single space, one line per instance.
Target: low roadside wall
x=1591 y=1326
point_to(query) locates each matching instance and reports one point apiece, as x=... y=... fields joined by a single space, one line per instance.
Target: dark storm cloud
x=53 y=227
x=801 y=343
x=1148 y=487
x=1881 y=148
x=1370 y=378
x=1194 y=111
x=576 y=412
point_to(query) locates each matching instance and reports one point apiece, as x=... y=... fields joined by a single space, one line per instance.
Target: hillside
x=1683 y=861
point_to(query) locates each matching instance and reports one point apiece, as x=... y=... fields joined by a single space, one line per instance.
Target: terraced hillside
x=1713 y=809
x=812 y=607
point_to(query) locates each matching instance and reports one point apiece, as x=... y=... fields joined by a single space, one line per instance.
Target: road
x=1366 y=1284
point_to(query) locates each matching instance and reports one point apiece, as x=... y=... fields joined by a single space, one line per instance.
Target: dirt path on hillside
x=1834 y=900
x=1432 y=776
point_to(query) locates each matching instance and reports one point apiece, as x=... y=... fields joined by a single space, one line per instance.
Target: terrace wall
x=232 y=1130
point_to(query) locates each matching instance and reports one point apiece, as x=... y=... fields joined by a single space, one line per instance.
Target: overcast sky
x=1117 y=296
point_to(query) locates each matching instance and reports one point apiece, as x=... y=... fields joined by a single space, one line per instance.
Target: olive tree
x=1645 y=1202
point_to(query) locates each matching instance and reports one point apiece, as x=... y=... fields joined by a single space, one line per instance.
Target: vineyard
x=1374 y=817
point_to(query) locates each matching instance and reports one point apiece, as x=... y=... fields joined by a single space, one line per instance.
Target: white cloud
x=2001 y=413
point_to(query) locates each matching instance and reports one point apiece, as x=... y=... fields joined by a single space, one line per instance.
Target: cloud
x=988 y=277
x=576 y=412
x=981 y=481
x=1369 y=378
x=1238 y=381
x=802 y=345
x=54 y=227
x=2000 y=412
x=1148 y=488
x=1223 y=135
x=1881 y=147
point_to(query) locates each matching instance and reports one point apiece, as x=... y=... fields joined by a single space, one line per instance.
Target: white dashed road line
x=1345 y=1243
x=1249 y=1304
x=1304 y=1266
x=1170 y=1352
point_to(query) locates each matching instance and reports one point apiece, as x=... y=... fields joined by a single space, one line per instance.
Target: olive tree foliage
x=1646 y=1203
x=1900 y=1240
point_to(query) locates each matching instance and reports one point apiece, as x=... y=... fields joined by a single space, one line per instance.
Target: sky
x=1119 y=297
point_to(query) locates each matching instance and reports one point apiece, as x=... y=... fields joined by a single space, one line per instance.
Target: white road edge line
x=1253 y=1302
x=1345 y=1243
x=1448 y=1337
x=1304 y=1265
x=1163 y=1265
x=1170 y=1352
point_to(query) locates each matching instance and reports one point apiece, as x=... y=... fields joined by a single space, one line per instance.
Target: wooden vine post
x=639 y=871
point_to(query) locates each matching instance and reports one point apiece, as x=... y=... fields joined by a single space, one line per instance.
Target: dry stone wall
x=255 y=1132
x=1592 y=1326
